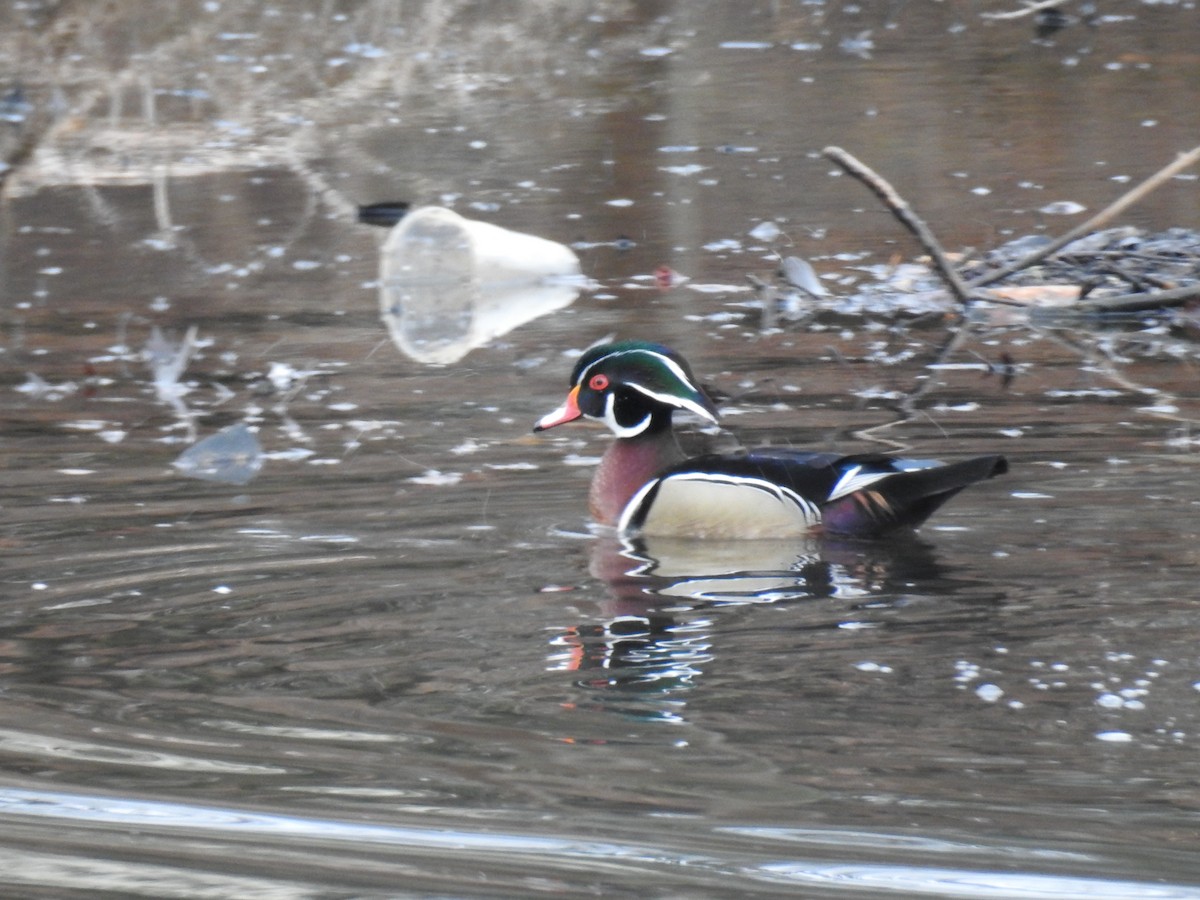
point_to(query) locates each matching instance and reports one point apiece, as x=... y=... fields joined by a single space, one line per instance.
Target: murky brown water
x=397 y=662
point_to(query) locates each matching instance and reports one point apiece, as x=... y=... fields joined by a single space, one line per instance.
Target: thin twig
x=1095 y=222
x=907 y=217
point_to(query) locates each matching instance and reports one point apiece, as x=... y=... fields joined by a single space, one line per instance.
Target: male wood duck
x=645 y=484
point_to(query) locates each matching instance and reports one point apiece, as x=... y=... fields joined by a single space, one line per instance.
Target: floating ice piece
x=718 y=288
x=1063 y=208
x=871 y=666
x=39 y=388
x=437 y=478
x=449 y=284
x=723 y=244
x=765 y=231
x=800 y=273
x=366 y=51
x=292 y=454
x=859 y=45
x=989 y=693
x=233 y=455
x=690 y=169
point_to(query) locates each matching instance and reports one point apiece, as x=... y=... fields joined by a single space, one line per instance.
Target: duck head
x=633 y=387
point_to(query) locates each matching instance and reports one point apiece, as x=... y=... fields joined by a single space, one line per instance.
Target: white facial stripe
x=671 y=400
x=621 y=431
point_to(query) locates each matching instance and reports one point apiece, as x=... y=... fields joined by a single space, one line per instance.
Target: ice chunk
x=233 y=455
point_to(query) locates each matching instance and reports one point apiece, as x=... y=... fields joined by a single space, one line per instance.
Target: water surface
x=398 y=661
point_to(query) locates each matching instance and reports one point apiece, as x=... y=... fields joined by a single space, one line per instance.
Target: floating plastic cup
x=449 y=284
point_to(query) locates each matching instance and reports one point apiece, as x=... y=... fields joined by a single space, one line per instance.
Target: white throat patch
x=622 y=431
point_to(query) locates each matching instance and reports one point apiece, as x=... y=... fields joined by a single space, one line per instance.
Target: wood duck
x=646 y=484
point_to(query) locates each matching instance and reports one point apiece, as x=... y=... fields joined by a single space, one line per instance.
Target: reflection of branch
x=1113 y=209
x=907 y=217
x=906 y=406
x=1027 y=10
x=1102 y=362
x=167 y=362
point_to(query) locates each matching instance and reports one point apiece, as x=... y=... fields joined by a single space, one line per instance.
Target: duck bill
x=568 y=412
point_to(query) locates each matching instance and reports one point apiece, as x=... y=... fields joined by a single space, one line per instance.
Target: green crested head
x=634 y=386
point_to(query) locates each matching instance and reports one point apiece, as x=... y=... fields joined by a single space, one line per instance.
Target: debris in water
x=449 y=284
x=666 y=278
x=233 y=455
x=385 y=214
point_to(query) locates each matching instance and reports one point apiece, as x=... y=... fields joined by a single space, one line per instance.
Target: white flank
x=709 y=505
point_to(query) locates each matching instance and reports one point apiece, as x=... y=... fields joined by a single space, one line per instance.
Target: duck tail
x=907 y=498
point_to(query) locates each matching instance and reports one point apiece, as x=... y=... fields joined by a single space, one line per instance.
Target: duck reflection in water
x=666 y=600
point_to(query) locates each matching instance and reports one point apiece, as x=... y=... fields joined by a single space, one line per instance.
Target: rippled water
x=398 y=661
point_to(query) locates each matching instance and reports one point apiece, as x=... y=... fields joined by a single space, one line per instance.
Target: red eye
x=598 y=382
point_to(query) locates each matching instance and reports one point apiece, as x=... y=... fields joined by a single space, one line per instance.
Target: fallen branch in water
x=1142 y=301
x=900 y=208
x=1095 y=222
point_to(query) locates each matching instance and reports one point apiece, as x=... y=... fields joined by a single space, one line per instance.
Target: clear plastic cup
x=449 y=284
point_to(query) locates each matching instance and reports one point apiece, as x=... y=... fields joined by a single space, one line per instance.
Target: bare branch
x=1141 y=301
x=900 y=208
x=1095 y=222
